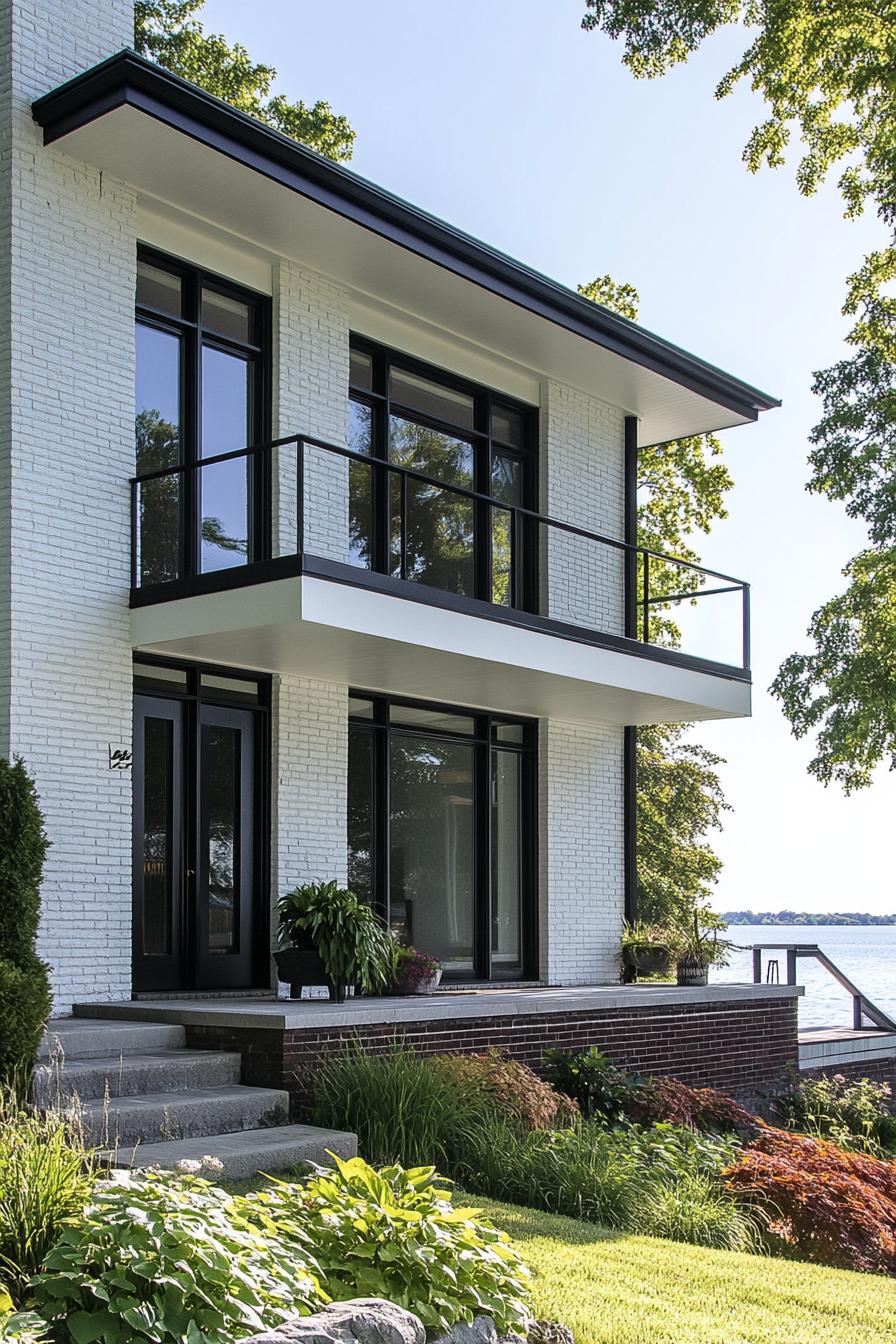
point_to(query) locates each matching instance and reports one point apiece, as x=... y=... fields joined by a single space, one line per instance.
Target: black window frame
x=188 y=327
x=382 y=728
x=524 y=595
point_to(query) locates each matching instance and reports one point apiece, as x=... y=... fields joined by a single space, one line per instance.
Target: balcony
x=309 y=558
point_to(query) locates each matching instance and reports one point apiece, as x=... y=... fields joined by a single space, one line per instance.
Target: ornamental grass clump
x=46 y=1173
x=395 y=1233
x=166 y=1257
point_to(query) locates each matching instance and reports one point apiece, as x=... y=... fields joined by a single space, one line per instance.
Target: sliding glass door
x=441 y=832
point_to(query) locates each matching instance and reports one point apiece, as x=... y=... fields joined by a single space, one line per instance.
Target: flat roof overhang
x=179 y=146
x=310 y=626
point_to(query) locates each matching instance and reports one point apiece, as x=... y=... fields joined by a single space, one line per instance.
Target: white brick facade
x=580 y=850
x=68 y=449
x=67 y=280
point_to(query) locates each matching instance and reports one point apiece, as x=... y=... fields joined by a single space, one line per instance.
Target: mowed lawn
x=616 y=1289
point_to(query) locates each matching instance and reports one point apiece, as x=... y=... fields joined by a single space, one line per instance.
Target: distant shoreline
x=846 y=919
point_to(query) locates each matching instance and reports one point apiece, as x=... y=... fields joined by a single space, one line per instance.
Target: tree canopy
x=827 y=74
x=168 y=32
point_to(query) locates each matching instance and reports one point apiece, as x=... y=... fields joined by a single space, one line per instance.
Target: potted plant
x=416 y=972
x=696 y=949
x=328 y=936
x=647 y=949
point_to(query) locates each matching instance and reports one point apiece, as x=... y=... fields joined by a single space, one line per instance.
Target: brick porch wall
x=879 y=1070
x=749 y=1049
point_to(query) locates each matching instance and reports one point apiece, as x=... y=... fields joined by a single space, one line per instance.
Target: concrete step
x=202 y=1112
x=245 y=1153
x=133 y=1075
x=80 y=1038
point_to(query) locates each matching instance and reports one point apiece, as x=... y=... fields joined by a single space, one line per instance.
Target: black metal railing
x=169 y=530
x=862 y=1007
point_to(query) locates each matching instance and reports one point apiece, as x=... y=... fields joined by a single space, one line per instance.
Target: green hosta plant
x=394 y=1233
x=350 y=939
x=167 y=1258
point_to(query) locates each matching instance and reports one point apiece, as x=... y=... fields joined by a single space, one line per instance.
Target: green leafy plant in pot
x=329 y=936
x=647 y=949
x=697 y=947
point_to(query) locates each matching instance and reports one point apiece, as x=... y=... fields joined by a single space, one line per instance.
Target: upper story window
x=468 y=440
x=203 y=380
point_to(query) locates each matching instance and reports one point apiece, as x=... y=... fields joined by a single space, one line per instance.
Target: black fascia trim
x=218 y=581
x=130 y=79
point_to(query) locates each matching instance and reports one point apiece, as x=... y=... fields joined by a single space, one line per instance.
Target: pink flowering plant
x=414 y=969
x=855 y=1115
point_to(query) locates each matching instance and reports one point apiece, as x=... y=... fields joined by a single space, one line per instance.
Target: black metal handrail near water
x=648 y=572
x=862 y=1006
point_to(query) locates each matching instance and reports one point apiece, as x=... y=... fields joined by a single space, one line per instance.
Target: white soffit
x=169 y=167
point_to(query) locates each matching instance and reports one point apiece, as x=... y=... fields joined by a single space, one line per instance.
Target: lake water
x=866 y=955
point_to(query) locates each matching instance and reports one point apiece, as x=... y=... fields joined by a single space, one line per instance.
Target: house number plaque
x=120 y=758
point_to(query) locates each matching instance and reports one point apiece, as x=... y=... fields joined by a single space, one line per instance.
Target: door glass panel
x=226 y=317
x=157 y=429
x=432 y=857
x=159 y=289
x=508 y=426
x=360 y=812
x=439 y=527
x=158 y=874
x=224 y=489
x=506 y=865
x=507 y=485
x=432 y=399
x=360 y=486
x=222 y=783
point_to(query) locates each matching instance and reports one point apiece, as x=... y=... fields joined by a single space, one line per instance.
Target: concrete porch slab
x=292 y=1014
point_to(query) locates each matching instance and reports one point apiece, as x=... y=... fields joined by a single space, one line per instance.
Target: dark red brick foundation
x=878 y=1070
x=747 y=1048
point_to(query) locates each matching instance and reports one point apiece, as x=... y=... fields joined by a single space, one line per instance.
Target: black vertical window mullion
x=194 y=424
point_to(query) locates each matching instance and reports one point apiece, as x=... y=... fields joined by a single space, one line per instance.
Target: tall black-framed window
x=412 y=415
x=441 y=831
x=202 y=388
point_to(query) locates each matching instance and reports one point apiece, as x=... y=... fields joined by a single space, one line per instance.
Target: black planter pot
x=648 y=960
x=302 y=965
x=690 y=972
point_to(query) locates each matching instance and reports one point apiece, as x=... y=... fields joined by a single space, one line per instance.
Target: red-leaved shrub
x=670 y=1101
x=513 y=1088
x=824 y=1204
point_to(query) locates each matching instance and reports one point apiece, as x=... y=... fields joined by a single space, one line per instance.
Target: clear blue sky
x=510 y=122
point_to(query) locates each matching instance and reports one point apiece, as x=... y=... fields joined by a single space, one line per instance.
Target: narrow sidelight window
x=472 y=446
x=441 y=831
x=203 y=380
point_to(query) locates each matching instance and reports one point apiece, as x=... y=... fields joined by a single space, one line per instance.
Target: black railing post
x=630 y=505
x=646 y=598
x=746 y=627
x=300 y=496
x=857 y=1012
x=403 y=540
x=135 y=486
x=757 y=965
x=791 y=966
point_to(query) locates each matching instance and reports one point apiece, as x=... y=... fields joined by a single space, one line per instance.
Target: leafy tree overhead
x=827 y=74
x=168 y=32
x=681 y=492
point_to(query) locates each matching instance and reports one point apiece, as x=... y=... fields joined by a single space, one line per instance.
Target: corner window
x=202 y=389
x=467 y=454
x=441 y=831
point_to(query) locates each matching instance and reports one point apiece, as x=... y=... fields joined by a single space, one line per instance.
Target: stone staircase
x=145 y=1100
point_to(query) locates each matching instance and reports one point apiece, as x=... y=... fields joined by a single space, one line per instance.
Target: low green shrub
x=25 y=1004
x=394 y=1233
x=508 y=1088
x=162 y=1257
x=856 y=1116
x=402 y=1107
x=597 y=1086
x=45 y=1178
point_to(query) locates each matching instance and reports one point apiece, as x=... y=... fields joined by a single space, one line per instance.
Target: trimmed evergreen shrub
x=25 y=998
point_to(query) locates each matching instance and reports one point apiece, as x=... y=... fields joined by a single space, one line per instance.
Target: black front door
x=195 y=845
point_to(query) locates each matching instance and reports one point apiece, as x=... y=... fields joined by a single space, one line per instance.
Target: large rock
x=363 y=1320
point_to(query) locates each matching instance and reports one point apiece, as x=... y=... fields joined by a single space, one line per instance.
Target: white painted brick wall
x=581 y=894
x=582 y=464
x=68 y=449
x=309 y=784
x=311 y=337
